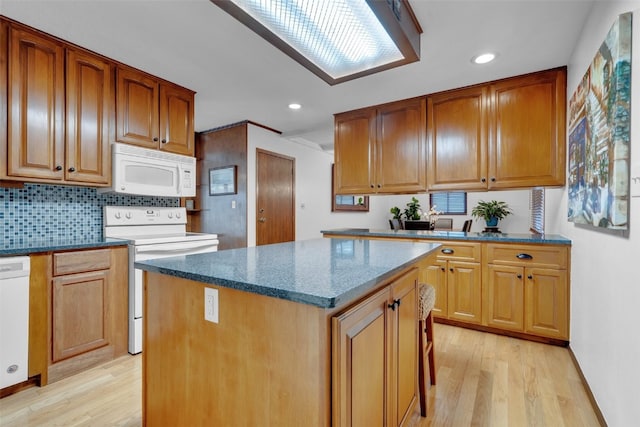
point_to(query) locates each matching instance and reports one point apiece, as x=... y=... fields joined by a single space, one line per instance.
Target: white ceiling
x=239 y=76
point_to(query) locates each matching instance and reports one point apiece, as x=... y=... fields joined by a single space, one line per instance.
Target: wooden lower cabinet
x=80 y=319
x=519 y=289
x=464 y=291
x=456 y=274
x=375 y=357
x=525 y=289
x=78 y=311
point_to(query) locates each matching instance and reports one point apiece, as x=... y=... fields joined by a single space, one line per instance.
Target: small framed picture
x=223 y=180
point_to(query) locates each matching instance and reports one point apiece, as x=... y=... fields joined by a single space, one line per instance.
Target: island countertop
x=325 y=273
x=527 y=238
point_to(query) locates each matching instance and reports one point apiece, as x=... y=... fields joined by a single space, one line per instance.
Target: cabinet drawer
x=528 y=255
x=81 y=261
x=460 y=251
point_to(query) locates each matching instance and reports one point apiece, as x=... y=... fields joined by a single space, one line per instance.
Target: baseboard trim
x=585 y=384
x=497 y=331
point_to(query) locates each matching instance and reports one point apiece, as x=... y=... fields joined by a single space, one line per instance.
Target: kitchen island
x=313 y=333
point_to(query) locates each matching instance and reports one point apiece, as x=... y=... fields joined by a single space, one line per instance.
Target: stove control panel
x=139 y=215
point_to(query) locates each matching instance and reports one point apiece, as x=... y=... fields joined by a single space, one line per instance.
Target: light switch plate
x=635 y=180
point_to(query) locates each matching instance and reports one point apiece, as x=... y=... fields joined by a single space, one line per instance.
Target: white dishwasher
x=14 y=320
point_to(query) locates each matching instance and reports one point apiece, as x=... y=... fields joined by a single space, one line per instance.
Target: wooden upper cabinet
x=527 y=130
x=381 y=149
x=504 y=134
x=176 y=120
x=154 y=114
x=89 y=106
x=354 y=138
x=137 y=108
x=457 y=139
x=400 y=147
x=35 y=146
x=59 y=111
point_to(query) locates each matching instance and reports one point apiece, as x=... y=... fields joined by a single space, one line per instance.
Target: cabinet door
x=36 y=106
x=547 y=303
x=436 y=275
x=405 y=347
x=89 y=104
x=504 y=297
x=527 y=131
x=464 y=291
x=176 y=120
x=137 y=108
x=354 y=152
x=79 y=314
x=400 y=147
x=361 y=339
x=457 y=140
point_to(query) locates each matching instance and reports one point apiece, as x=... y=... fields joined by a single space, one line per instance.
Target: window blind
x=536 y=209
x=449 y=203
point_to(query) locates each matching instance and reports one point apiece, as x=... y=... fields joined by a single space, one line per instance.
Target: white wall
x=605 y=288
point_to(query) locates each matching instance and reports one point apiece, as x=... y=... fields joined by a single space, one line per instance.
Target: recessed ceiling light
x=295 y=106
x=338 y=40
x=483 y=58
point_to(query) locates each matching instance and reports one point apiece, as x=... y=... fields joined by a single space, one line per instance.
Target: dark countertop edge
x=347 y=297
x=58 y=246
x=476 y=237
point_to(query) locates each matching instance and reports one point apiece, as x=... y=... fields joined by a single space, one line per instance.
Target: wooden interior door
x=275 y=200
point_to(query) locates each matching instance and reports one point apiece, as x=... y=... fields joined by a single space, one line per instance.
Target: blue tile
x=51 y=211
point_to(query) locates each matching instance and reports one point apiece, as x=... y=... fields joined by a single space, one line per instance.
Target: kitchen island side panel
x=267 y=361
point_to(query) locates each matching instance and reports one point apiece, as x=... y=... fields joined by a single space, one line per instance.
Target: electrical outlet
x=211 y=305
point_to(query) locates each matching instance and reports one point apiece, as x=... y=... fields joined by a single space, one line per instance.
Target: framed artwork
x=223 y=180
x=599 y=135
x=340 y=203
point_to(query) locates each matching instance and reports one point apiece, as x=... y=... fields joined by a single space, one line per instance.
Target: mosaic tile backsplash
x=38 y=212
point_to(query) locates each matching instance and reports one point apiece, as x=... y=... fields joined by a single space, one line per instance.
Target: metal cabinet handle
x=493 y=179
x=524 y=256
x=72 y=169
x=530 y=277
x=155 y=139
x=396 y=303
x=483 y=179
x=164 y=141
x=447 y=251
x=442 y=268
x=519 y=276
x=262 y=219
x=58 y=168
x=451 y=270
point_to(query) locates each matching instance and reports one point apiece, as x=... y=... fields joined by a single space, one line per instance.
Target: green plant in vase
x=491 y=212
x=413 y=211
x=397 y=214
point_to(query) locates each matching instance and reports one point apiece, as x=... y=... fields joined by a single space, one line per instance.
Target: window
x=449 y=203
x=536 y=209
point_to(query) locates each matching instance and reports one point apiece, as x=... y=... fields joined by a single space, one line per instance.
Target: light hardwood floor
x=482 y=380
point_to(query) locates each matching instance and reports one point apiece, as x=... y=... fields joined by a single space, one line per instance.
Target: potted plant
x=395 y=211
x=491 y=212
x=413 y=211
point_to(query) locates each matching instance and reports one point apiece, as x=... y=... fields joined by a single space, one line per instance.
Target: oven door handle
x=174 y=249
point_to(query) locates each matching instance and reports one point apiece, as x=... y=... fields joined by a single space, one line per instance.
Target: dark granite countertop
x=322 y=272
x=58 y=243
x=550 y=239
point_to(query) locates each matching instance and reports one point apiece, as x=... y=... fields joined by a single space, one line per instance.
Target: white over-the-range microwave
x=146 y=172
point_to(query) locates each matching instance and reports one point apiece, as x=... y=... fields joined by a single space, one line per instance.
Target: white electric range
x=152 y=232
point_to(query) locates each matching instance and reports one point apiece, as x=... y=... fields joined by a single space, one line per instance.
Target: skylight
x=336 y=39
